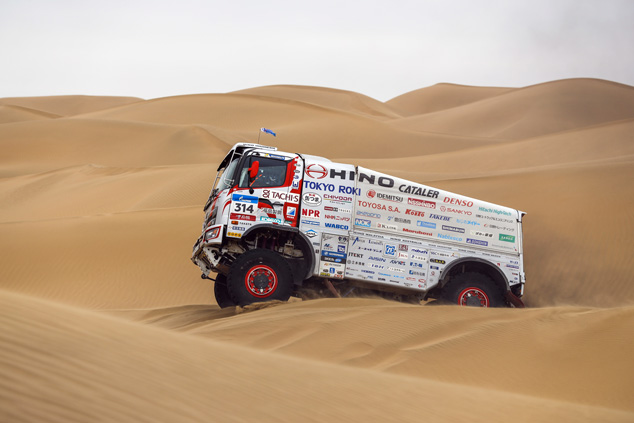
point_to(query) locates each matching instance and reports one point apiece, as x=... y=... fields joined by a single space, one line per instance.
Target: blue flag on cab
x=268 y=131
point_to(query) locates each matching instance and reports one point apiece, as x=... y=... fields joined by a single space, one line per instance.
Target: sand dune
x=533 y=111
x=100 y=203
x=347 y=101
x=320 y=129
x=91 y=368
x=10 y=113
x=68 y=105
x=441 y=97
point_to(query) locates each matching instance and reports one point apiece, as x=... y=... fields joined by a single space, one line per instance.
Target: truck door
x=270 y=187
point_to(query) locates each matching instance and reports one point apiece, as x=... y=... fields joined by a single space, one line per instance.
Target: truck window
x=272 y=173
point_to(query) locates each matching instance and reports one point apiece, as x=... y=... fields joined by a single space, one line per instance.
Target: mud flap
x=516 y=301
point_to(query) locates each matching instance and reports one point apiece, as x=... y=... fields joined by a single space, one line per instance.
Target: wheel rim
x=473 y=297
x=261 y=281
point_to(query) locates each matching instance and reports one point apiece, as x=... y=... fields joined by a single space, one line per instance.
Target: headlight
x=212 y=233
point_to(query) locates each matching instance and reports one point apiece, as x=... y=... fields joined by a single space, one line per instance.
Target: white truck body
x=363 y=227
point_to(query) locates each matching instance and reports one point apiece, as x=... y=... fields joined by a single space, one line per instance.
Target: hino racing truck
x=283 y=224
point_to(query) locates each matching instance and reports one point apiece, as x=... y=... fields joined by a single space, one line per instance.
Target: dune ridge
x=103 y=316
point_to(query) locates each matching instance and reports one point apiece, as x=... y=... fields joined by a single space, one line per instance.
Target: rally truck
x=281 y=224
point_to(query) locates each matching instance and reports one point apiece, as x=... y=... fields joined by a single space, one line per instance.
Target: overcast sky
x=154 y=48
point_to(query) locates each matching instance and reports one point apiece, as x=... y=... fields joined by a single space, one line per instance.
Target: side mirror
x=253 y=170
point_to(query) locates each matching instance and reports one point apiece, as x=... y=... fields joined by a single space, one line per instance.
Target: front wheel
x=221 y=292
x=259 y=275
x=473 y=290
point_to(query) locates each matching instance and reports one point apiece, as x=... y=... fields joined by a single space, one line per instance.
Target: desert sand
x=104 y=318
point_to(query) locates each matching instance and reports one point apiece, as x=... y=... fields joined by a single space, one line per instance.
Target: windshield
x=271 y=173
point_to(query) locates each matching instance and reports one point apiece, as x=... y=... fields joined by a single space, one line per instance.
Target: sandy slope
x=441 y=97
x=71 y=365
x=100 y=202
x=533 y=111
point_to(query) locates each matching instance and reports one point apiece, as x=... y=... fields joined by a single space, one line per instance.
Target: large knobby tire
x=259 y=275
x=473 y=290
x=222 y=293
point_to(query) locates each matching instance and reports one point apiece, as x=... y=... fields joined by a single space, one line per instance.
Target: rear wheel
x=473 y=290
x=259 y=275
x=222 y=293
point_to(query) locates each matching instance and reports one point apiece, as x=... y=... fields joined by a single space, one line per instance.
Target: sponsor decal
x=501 y=228
x=507 y=238
x=458 y=202
x=280 y=195
x=311 y=199
x=403 y=247
x=355 y=255
x=371 y=193
x=388 y=227
x=422 y=192
x=370 y=272
x=336 y=226
x=417 y=273
x=310 y=222
x=414 y=231
x=318 y=186
x=482 y=234
x=399 y=262
x=240 y=216
x=387 y=197
x=513 y=266
x=415 y=213
x=333 y=254
x=311 y=234
x=452 y=229
x=402 y=255
x=310 y=213
x=449 y=237
x=424 y=224
x=369 y=214
x=341 y=248
x=497 y=219
x=377 y=266
x=377 y=206
x=439 y=217
x=237 y=228
x=418 y=257
x=418 y=250
x=421 y=203
x=395 y=269
x=456 y=211
x=244 y=198
x=363 y=222
x=477 y=242
x=389 y=250
x=291 y=212
x=400 y=220
x=338 y=198
x=316 y=171
x=234 y=234
x=340 y=218
x=337 y=209
x=495 y=211
x=383 y=181
x=437 y=261
x=415 y=264
x=468 y=222
x=271 y=220
x=343 y=189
